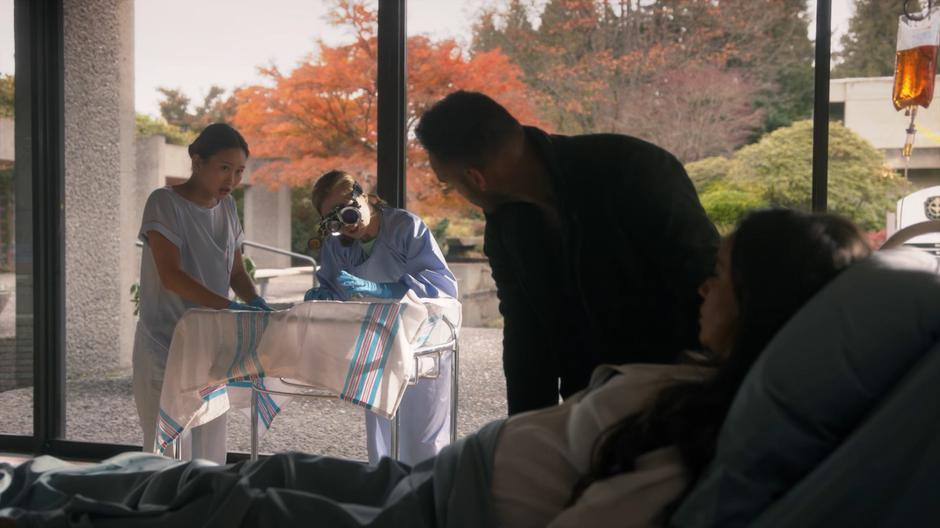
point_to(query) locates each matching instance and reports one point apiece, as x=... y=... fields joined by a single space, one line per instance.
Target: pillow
x=886 y=473
x=816 y=381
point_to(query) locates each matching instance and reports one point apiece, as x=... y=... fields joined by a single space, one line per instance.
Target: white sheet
x=360 y=351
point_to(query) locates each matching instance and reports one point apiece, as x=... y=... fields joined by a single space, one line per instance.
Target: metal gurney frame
x=310 y=391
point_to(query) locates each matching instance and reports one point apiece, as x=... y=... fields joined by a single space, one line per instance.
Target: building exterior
x=864 y=106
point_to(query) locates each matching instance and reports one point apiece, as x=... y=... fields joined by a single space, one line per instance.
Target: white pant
x=206 y=441
x=424 y=416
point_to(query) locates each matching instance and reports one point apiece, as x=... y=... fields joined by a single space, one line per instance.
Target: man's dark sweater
x=616 y=282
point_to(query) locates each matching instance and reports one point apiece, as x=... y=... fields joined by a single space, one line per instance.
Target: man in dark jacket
x=598 y=243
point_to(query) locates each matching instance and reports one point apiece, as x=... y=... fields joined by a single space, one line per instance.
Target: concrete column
x=267 y=221
x=100 y=218
x=150 y=159
x=150 y=155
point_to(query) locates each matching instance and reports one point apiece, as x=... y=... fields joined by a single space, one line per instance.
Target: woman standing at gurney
x=191 y=257
x=372 y=250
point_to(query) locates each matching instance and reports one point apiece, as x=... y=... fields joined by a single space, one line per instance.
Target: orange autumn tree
x=322 y=115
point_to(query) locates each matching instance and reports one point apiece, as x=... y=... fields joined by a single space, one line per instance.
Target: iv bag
x=916 y=60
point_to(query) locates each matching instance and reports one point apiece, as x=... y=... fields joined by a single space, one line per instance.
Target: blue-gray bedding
x=285 y=490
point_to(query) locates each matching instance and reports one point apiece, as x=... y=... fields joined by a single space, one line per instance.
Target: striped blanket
x=361 y=352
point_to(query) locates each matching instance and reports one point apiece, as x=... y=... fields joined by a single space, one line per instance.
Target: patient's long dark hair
x=779 y=259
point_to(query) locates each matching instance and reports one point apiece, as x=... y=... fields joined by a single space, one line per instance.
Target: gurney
x=364 y=353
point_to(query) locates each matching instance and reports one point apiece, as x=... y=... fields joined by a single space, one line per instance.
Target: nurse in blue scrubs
x=372 y=250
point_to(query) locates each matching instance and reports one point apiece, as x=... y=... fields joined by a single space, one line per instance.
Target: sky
x=193 y=44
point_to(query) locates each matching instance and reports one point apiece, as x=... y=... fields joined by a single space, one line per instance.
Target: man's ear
x=196 y=163
x=475 y=177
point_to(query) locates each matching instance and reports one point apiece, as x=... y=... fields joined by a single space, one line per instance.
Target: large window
x=868 y=173
x=710 y=82
x=706 y=81
x=297 y=79
x=724 y=87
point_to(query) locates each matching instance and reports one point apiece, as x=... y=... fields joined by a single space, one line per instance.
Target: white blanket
x=360 y=351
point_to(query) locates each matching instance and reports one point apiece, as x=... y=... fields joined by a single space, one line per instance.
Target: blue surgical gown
x=404 y=251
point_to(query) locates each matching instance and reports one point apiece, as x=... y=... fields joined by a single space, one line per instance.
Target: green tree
x=215 y=108
x=766 y=40
x=777 y=171
x=725 y=206
x=868 y=47
x=304 y=221
x=150 y=126
x=782 y=62
x=6 y=95
x=509 y=30
x=725 y=203
x=696 y=76
x=709 y=172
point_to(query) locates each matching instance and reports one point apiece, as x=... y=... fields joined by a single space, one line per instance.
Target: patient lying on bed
x=622 y=452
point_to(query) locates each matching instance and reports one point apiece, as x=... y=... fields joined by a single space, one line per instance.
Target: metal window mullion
x=391 y=107
x=821 y=106
x=39 y=42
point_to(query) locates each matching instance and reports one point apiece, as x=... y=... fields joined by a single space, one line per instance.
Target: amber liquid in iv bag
x=914 y=75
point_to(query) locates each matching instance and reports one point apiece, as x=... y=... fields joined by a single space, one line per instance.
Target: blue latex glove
x=318 y=294
x=366 y=288
x=232 y=305
x=258 y=302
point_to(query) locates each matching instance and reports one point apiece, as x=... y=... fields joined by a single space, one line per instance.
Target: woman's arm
x=240 y=281
x=330 y=267
x=632 y=499
x=166 y=256
x=427 y=272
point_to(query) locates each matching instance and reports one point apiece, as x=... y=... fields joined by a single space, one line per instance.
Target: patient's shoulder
x=649 y=374
x=629 y=388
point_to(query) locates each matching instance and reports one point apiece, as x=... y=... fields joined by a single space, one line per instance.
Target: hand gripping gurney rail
x=366 y=353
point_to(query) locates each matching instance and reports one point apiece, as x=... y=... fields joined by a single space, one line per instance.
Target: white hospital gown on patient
x=207 y=238
x=404 y=251
x=540 y=456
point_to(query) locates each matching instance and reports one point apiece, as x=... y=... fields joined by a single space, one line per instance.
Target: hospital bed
x=836 y=424
x=910 y=232
x=838 y=421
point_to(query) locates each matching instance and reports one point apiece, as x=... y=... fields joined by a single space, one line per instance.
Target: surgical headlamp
x=341 y=216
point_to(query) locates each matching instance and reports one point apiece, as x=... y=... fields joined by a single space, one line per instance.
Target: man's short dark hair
x=466 y=127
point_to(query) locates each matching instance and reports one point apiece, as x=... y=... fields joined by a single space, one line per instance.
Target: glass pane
x=706 y=82
x=16 y=310
x=870 y=180
x=712 y=82
x=136 y=97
